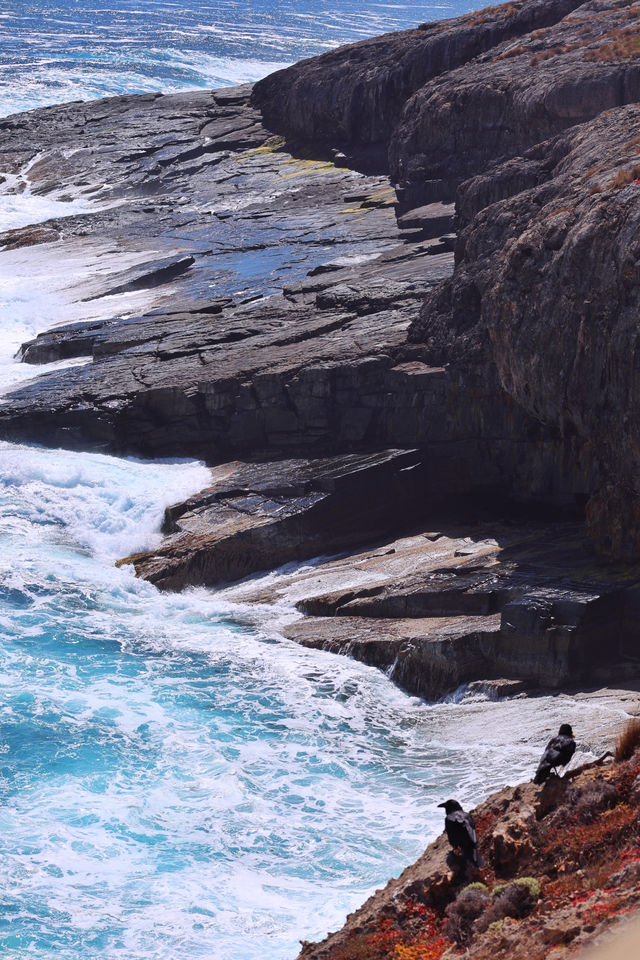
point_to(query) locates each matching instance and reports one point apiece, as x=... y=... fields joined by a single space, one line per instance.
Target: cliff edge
x=526 y=114
x=561 y=868
x=390 y=295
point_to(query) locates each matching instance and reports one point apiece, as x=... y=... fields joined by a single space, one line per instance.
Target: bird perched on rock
x=559 y=751
x=461 y=831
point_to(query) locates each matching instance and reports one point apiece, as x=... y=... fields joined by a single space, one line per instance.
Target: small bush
x=517 y=900
x=531 y=884
x=478 y=885
x=582 y=805
x=463 y=913
x=628 y=740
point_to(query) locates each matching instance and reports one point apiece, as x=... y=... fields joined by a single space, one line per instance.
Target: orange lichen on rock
x=417 y=934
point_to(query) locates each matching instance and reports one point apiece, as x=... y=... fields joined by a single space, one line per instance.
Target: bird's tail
x=542 y=773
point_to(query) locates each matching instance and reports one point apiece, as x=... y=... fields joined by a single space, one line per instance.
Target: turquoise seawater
x=176 y=780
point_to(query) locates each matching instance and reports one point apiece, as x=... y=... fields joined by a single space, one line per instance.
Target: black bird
x=461 y=831
x=559 y=751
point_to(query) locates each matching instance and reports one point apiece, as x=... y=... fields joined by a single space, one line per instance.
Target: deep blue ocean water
x=176 y=780
x=52 y=51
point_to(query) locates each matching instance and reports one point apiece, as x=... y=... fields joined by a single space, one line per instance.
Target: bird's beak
x=573 y=735
x=442 y=804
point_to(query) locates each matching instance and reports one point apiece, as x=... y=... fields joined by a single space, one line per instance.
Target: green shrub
x=532 y=884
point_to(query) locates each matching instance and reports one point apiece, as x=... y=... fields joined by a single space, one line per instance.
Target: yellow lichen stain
x=307 y=166
x=270 y=146
x=376 y=201
x=385 y=192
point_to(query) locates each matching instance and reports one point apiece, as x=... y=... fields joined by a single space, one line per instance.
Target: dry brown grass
x=548 y=54
x=621 y=44
x=512 y=52
x=628 y=740
x=590 y=172
x=624 y=177
x=487 y=13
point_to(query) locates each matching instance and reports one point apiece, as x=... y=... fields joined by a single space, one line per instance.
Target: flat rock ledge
x=521 y=602
x=390 y=296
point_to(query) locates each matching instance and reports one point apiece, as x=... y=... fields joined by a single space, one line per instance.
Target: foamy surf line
x=41 y=289
x=64 y=51
x=47 y=86
x=44 y=285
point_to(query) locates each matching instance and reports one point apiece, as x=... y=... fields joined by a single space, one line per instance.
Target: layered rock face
x=547 y=286
x=259 y=516
x=299 y=314
x=516 y=95
x=351 y=98
x=545 y=289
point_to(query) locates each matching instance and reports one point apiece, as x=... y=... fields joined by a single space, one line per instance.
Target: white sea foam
x=43 y=286
x=215 y=792
x=176 y=779
x=47 y=85
x=19 y=207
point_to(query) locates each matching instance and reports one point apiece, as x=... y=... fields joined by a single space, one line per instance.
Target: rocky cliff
x=389 y=291
x=560 y=869
x=534 y=132
x=391 y=296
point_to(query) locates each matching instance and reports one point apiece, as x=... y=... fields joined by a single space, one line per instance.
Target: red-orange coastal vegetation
x=561 y=867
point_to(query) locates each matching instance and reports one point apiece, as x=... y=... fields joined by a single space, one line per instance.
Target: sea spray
x=176 y=780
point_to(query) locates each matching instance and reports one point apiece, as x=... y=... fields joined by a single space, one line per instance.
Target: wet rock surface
x=521 y=605
x=260 y=516
x=241 y=352
x=318 y=333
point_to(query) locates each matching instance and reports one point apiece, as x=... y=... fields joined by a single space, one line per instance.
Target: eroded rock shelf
x=390 y=291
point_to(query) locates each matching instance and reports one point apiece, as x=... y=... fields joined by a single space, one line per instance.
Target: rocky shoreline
x=355 y=372
x=559 y=871
x=391 y=297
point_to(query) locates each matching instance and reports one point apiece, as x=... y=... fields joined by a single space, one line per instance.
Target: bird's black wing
x=471 y=828
x=462 y=828
x=559 y=750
